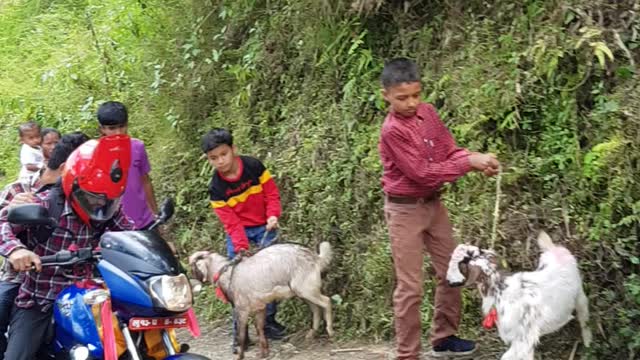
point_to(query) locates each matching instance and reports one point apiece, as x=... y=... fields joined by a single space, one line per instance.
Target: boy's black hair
x=215 y=138
x=398 y=71
x=29 y=125
x=112 y=113
x=46 y=131
x=65 y=147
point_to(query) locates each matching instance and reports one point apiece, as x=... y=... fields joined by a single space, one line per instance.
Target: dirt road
x=215 y=343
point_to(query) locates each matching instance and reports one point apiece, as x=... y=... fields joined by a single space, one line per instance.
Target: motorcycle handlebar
x=67 y=258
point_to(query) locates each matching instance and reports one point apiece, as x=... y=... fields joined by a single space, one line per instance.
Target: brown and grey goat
x=277 y=272
x=528 y=304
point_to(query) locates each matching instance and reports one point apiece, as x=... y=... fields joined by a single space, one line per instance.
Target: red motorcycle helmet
x=95 y=176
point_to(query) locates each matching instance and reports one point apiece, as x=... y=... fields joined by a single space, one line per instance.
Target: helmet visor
x=97 y=206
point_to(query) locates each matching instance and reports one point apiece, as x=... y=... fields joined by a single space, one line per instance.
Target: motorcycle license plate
x=140 y=324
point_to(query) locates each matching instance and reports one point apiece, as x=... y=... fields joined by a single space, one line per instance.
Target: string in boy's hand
x=487 y=163
x=272 y=223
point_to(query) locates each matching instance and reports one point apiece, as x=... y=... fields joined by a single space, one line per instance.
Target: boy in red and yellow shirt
x=246 y=199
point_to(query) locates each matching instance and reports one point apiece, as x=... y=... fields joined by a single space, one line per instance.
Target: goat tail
x=544 y=241
x=325 y=253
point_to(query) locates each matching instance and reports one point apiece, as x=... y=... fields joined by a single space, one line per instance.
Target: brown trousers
x=414 y=228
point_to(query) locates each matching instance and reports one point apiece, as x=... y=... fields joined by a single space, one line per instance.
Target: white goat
x=528 y=304
x=277 y=272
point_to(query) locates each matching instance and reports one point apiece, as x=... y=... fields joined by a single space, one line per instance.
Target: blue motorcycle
x=128 y=297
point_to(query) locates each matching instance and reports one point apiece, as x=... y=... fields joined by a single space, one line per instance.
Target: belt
x=412 y=200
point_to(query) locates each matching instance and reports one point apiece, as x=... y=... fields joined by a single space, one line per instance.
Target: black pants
x=8 y=293
x=27 y=332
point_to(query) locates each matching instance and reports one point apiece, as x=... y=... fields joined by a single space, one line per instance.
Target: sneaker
x=274 y=331
x=271 y=321
x=453 y=346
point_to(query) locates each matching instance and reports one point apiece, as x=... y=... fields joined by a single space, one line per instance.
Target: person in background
x=93 y=181
x=50 y=138
x=139 y=201
x=31 y=157
x=20 y=193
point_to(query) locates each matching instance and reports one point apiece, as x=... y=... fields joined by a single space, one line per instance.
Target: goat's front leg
x=582 y=313
x=519 y=350
x=260 y=321
x=242 y=318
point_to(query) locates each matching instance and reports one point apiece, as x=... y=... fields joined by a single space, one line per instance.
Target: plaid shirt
x=419 y=154
x=43 y=287
x=8 y=193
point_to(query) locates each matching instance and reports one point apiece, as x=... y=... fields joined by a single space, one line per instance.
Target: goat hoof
x=310 y=335
x=586 y=338
x=330 y=332
x=264 y=354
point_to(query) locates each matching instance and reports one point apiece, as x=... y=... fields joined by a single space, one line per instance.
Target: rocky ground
x=216 y=339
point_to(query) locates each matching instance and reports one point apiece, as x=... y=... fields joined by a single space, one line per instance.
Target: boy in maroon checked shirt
x=418 y=156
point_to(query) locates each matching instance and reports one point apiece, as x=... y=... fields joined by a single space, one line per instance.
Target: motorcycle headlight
x=172 y=292
x=79 y=352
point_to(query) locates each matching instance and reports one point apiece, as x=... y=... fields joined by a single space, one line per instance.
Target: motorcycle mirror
x=30 y=215
x=167 y=209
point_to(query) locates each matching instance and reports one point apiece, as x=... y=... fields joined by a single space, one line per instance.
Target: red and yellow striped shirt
x=246 y=200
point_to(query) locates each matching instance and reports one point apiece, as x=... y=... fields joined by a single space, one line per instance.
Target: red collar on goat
x=219 y=292
x=490 y=319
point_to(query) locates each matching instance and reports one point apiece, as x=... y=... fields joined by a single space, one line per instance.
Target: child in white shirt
x=31 y=157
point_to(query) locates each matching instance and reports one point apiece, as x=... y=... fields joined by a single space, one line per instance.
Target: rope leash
x=264 y=237
x=496 y=209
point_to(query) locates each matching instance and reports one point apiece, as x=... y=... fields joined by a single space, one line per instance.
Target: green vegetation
x=550 y=86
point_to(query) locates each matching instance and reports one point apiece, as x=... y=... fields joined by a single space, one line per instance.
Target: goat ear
x=200 y=270
x=473 y=275
x=455 y=277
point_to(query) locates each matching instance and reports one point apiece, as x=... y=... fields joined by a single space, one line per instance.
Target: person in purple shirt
x=138 y=201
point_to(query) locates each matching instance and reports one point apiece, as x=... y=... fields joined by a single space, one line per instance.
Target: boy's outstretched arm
x=232 y=225
x=404 y=155
x=272 y=195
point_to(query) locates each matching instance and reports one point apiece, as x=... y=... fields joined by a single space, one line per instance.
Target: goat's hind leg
x=325 y=303
x=314 y=296
x=582 y=313
x=264 y=344
x=317 y=316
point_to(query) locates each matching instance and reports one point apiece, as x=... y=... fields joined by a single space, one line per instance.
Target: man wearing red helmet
x=93 y=181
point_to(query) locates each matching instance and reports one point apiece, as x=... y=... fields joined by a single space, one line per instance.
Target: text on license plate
x=138 y=324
